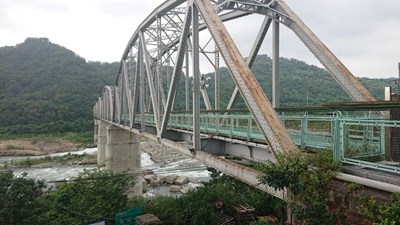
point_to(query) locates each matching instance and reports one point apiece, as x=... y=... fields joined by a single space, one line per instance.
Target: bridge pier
x=95 y=131
x=123 y=153
x=101 y=128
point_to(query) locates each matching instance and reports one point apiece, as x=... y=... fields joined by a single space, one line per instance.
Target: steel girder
x=275 y=134
x=158 y=39
x=107 y=103
x=177 y=69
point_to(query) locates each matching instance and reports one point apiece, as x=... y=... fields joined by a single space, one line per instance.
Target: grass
x=12 y=147
x=83 y=138
x=68 y=158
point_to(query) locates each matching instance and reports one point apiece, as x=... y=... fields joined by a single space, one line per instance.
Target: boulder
x=156 y=182
x=185 y=190
x=170 y=179
x=162 y=180
x=181 y=180
x=149 y=178
x=175 y=188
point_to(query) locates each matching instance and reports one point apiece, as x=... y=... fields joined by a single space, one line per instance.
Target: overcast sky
x=363 y=34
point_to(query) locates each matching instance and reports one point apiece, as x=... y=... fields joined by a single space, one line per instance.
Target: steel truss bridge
x=167 y=47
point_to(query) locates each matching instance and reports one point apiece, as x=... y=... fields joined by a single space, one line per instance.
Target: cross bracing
x=167 y=44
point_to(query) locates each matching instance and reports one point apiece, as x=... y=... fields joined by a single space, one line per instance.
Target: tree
x=18 y=196
x=306 y=176
x=93 y=196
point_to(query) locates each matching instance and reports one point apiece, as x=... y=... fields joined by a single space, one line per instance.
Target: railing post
x=304 y=129
x=249 y=128
x=338 y=139
x=382 y=139
x=231 y=127
x=217 y=125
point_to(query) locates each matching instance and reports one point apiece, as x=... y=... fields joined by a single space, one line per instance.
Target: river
x=192 y=168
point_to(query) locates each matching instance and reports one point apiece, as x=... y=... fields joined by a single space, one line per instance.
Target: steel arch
x=165 y=33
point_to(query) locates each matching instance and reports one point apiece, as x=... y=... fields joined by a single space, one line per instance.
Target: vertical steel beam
x=128 y=91
x=336 y=68
x=275 y=62
x=187 y=80
x=117 y=117
x=203 y=92
x=252 y=55
x=142 y=89
x=206 y=99
x=159 y=76
x=399 y=74
x=150 y=82
x=177 y=70
x=196 y=78
x=267 y=120
x=216 y=80
x=136 y=88
x=168 y=68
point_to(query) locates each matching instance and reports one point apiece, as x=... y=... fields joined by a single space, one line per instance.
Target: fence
x=363 y=139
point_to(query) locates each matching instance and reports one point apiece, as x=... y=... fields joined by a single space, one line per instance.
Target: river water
x=192 y=168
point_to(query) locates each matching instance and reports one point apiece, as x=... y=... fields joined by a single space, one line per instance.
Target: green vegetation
x=387 y=213
x=316 y=83
x=68 y=158
x=354 y=186
x=94 y=195
x=306 y=177
x=97 y=195
x=19 y=197
x=12 y=147
x=198 y=207
x=83 y=138
x=48 y=89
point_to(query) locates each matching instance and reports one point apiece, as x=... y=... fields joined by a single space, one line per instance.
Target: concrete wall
x=101 y=142
x=123 y=154
x=122 y=150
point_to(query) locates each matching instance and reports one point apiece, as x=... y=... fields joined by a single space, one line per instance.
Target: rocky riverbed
x=35 y=148
x=165 y=170
x=172 y=173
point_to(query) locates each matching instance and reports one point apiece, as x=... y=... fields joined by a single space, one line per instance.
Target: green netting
x=128 y=217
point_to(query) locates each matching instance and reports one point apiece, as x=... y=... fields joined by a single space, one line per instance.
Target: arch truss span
x=168 y=48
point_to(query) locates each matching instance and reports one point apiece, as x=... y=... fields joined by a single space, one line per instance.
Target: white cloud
x=363 y=34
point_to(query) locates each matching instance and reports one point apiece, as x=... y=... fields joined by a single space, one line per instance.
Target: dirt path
x=35 y=148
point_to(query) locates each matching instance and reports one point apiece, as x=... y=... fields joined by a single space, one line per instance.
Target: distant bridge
x=167 y=47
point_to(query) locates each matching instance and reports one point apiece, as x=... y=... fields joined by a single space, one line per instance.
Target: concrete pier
x=101 y=142
x=95 y=131
x=123 y=154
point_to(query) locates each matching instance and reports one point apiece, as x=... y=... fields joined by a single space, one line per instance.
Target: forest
x=46 y=88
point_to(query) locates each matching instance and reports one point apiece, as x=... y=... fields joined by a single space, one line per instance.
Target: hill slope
x=45 y=87
x=300 y=84
x=43 y=84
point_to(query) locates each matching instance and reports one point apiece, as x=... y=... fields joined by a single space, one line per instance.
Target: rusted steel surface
x=274 y=132
x=242 y=173
x=339 y=72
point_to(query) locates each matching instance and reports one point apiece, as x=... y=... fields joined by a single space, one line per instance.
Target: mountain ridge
x=45 y=87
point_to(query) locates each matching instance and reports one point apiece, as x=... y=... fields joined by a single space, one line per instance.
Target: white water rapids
x=196 y=171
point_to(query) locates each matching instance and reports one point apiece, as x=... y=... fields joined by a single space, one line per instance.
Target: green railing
x=366 y=143
x=356 y=139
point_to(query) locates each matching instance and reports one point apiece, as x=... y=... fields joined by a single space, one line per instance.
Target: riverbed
x=160 y=160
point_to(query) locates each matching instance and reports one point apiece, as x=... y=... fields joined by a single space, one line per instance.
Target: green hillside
x=46 y=88
x=298 y=80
